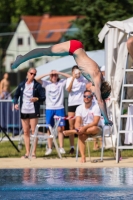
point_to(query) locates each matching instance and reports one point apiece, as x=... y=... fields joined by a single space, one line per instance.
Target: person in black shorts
x=31 y=95
x=75 y=85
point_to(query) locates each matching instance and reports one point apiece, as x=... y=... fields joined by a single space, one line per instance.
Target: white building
x=37 y=32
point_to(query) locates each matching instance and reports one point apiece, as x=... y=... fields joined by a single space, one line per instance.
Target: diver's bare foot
x=16 y=63
x=69 y=132
x=83 y=160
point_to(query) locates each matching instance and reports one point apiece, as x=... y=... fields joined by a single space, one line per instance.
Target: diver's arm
x=102 y=105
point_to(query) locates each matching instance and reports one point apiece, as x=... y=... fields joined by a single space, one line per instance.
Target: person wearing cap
x=75 y=85
x=54 y=104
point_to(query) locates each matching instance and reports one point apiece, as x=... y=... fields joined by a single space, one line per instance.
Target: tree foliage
x=95 y=14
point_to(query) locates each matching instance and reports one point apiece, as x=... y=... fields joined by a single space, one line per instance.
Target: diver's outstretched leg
x=56 y=50
x=32 y=54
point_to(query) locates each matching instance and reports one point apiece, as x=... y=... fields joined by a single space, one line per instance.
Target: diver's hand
x=108 y=123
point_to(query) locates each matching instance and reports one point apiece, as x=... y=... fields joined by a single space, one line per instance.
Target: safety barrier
x=9 y=118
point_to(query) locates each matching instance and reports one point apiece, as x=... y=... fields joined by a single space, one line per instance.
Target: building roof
x=41 y=27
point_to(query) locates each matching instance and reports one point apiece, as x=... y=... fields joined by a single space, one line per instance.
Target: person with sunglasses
x=54 y=104
x=87 y=122
x=31 y=95
x=89 y=67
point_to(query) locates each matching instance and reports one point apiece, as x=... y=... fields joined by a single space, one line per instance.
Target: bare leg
x=93 y=131
x=26 y=129
x=130 y=46
x=71 y=127
x=33 y=123
x=81 y=144
x=50 y=140
x=69 y=132
x=61 y=136
x=96 y=146
x=61 y=49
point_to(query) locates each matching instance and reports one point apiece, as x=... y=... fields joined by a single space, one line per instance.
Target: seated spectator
x=87 y=122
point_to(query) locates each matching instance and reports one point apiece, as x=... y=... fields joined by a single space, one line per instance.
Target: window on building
x=49 y=34
x=28 y=40
x=20 y=41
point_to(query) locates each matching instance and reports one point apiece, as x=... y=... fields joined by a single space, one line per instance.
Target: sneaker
x=62 y=151
x=72 y=151
x=48 y=152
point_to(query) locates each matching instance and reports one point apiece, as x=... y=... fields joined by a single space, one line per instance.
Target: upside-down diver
x=89 y=68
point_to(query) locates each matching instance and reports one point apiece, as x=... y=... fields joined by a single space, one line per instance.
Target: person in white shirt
x=75 y=85
x=54 y=103
x=31 y=95
x=87 y=122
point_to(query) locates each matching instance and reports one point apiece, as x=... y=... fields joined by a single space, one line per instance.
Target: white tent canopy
x=67 y=62
x=115 y=34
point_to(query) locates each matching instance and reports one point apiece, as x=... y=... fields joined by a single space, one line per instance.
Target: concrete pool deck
x=6 y=163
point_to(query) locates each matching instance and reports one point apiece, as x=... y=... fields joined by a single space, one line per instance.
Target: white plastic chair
x=53 y=135
x=103 y=136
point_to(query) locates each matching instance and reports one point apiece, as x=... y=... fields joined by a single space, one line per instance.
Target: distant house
x=38 y=32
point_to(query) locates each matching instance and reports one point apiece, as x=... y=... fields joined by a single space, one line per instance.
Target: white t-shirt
x=54 y=94
x=87 y=115
x=76 y=95
x=28 y=106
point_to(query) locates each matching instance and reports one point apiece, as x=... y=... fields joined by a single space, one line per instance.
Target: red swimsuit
x=74 y=45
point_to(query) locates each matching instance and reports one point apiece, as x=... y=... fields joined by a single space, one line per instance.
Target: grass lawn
x=7 y=150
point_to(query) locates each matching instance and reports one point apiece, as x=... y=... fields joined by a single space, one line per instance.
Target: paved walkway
x=61 y=163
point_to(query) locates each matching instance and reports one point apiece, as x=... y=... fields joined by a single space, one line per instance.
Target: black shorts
x=29 y=116
x=72 y=108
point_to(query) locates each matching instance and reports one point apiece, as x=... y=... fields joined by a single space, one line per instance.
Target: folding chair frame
x=103 y=142
x=53 y=134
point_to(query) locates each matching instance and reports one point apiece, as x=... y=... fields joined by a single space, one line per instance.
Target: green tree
x=7 y=10
x=96 y=13
x=39 y=7
x=12 y=10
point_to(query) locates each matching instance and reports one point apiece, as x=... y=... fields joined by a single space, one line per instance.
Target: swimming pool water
x=75 y=183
